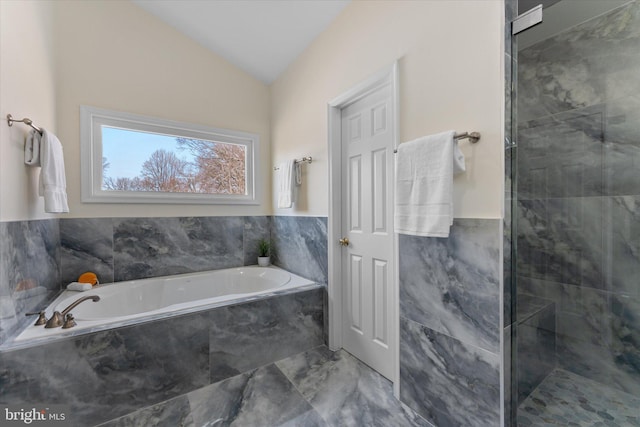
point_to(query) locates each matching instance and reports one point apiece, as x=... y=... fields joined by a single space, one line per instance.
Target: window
x=128 y=158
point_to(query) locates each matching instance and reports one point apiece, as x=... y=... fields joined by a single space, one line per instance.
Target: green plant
x=264 y=248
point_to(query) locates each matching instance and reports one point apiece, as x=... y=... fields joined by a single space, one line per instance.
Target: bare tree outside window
x=219 y=168
x=164 y=171
x=184 y=166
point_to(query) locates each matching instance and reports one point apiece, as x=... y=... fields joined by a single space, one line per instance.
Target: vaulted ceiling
x=261 y=37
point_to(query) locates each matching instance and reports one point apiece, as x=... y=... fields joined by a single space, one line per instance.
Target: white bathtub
x=127 y=302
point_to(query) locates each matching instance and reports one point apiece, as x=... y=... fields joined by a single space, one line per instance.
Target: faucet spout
x=95 y=298
x=58 y=318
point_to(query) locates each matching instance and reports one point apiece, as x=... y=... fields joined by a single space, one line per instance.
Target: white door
x=367 y=223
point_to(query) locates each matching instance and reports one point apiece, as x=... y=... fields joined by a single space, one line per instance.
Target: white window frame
x=91 y=121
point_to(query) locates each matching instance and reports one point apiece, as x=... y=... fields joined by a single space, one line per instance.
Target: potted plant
x=264 y=252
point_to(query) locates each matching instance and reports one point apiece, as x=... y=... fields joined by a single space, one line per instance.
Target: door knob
x=344 y=241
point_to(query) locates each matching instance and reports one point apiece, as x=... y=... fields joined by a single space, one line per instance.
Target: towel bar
x=307 y=159
x=472 y=136
x=26 y=121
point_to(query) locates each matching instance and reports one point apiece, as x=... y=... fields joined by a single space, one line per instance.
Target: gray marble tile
x=109 y=374
x=446 y=381
x=29 y=271
x=175 y=412
x=536 y=347
x=345 y=391
x=600 y=364
x=587 y=241
x=592 y=321
x=263 y=397
x=593 y=62
x=452 y=285
x=623 y=251
x=247 y=336
x=149 y=247
x=563 y=240
x=301 y=246
x=566 y=399
x=86 y=245
x=581 y=313
x=530 y=305
x=622 y=147
x=255 y=228
x=624 y=337
x=562 y=155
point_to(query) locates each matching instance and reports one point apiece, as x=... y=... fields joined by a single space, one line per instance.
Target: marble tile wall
x=301 y=246
x=134 y=248
x=450 y=330
x=578 y=197
x=119 y=249
x=108 y=374
x=29 y=271
x=148 y=247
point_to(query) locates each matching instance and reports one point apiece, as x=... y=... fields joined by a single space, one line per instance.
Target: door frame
x=386 y=76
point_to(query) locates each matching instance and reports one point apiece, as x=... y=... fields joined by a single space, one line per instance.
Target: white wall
x=27 y=89
x=451 y=77
x=114 y=55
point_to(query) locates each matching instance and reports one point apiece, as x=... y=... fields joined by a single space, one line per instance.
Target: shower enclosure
x=574 y=178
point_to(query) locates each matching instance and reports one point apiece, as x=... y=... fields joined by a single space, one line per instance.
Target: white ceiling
x=261 y=37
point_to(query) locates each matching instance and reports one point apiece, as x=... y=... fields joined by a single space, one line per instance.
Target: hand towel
x=32 y=149
x=285 y=184
x=53 y=184
x=424 y=184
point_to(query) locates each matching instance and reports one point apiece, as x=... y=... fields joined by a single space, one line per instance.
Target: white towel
x=53 y=184
x=32 y=149
x=285 y=184
x=424 y=185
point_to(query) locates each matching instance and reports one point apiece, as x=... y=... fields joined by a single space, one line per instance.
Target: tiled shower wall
x=579 y=201
x=450 y=329
x=37 y=258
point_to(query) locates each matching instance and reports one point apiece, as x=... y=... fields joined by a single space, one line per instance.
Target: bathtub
x=134 y=301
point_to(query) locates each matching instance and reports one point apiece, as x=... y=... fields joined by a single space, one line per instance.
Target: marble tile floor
x=315 y=388
x=567 y=399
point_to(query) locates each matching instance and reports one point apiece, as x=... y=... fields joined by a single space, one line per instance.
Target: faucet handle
x=69 y=321
x=42 y=319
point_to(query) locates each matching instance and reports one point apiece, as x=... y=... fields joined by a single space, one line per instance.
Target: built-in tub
x=113 y=364
x=124 y=303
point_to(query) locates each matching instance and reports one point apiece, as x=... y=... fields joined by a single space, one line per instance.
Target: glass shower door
x=576 y=214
